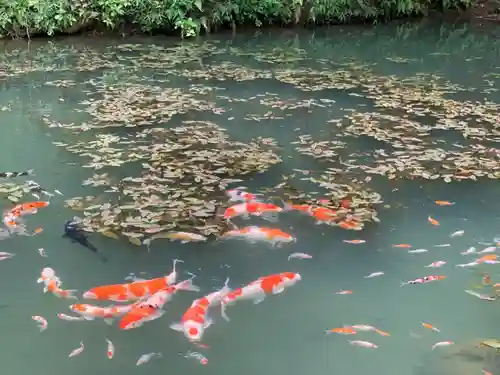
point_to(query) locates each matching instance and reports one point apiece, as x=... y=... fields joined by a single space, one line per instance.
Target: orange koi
x=429 y=326
x=133 y=291
x=444 y=203
x=433 y=221
x=355 y=241
x=253 y=233
x=252 y=208
x=402 y=246
x=342 y=331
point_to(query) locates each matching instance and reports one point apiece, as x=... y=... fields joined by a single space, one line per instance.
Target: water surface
x=284 y=334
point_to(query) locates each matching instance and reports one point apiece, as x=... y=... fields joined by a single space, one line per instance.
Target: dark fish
x=76 y=233
x=15 y=174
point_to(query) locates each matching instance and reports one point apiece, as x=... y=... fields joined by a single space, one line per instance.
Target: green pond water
x=285 y=333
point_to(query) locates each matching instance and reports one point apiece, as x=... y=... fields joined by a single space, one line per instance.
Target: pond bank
x=188 y=18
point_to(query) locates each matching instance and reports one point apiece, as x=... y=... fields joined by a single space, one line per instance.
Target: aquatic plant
x=187 y=18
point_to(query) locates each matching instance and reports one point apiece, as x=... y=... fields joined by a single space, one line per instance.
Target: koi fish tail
x=69 y=294
x=187 y=285
x=287 y=206
x=402 y=283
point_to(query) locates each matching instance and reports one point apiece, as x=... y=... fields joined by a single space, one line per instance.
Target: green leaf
x=199 y=5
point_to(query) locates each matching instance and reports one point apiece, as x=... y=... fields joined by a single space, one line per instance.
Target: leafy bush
x=190 y=17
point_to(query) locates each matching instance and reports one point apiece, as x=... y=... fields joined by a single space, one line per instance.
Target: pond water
x=281 y=85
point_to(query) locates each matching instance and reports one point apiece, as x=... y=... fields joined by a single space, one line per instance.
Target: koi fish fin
x=403 y=283
x=177 y=327
x=208 y=323
x=40 y=280
x=258 y=300
x=70 y=294
x=278 y=289
x=108 y=321
x=45 y=289
x=88 y=317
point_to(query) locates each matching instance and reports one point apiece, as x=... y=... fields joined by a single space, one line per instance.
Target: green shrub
x=190 y=17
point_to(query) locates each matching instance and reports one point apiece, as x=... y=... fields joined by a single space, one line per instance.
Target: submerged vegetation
x=170 y=121
x=19 y=18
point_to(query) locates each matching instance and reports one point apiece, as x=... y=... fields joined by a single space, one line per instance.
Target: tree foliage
x=191 y=17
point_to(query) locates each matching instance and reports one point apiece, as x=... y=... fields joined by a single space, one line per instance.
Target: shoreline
x=480 y=14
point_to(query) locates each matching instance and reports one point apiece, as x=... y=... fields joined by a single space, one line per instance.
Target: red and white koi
x=110 y=352
x=363 y=344
x=42 y=322
x=198 y=356
x=151 y=308
x=195 y=320
x=489 y=249
x=236 y=195
x=77 y=351
x=423 y=280
x=254 y=234
x=90 y=312
x=265 y=210
x=260 y=288
x=442 y=343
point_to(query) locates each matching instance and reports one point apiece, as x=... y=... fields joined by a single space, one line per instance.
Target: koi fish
x=16 y=174
x=342 y=331
x=145 y=358
x=432 y=221
x=41 y=251
x=260 y=288
x=185 y=237
x=356 y=242
x=132 y=291
x=195 y=319
x=351 y=224
x=363 y=344
x=480 y=296
x=437 y=264
x=47 y=275
x=266 y=210
x=299 y=256
x=402 y=246
x=42 y=322
x=470 y=264
x=323 y=215
x=53 y=287
x=487 y=258
x=489 y=249
x=444 y=203
x=374 y=274
x=368 y=328
x=110 y=352
x=442 y=343
x=429 y=326
x=457 y=233
x=423 y=280
x=240 y=195
x=417 y=251
x=344 y=292
x=29 y=208
x=151 y=308
x=470 y=250
x=253 y=234
x=77 y=351
x=90 y=312
x=198 y=356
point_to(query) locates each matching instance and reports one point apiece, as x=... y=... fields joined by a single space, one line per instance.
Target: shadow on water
x=50 y=83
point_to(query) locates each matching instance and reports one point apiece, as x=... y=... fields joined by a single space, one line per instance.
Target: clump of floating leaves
x=185 y=171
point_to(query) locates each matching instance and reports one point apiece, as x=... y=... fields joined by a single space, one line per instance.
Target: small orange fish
x=342 y=331
x=444 y=203
x=430 y=326
x=402 y=246
x=343 y=292
x=433 y=221
x=37 y=231
x=382 y=333
x=355 y=241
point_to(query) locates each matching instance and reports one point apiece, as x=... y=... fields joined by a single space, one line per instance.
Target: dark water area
x=272 y=84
